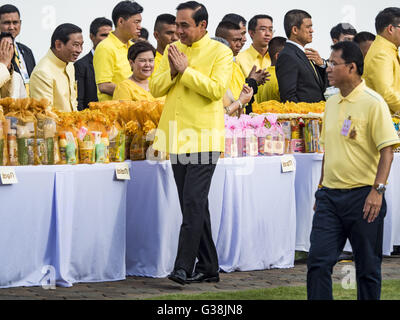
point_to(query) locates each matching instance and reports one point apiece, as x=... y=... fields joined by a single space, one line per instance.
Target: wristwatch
x=380 y=188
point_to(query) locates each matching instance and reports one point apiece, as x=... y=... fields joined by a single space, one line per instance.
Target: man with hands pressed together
x=6 y=56
x=359 y=137
x=194 y=76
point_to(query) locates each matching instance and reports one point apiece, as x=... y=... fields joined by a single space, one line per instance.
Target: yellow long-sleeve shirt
x=54 y=80
x=130 y=91
x=382 y=71
x=193 y=117
x=237 y=81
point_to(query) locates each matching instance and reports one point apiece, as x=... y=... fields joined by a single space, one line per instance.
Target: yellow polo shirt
x=352 y=161
x=382 y=71
x=110 y=62
x=269 y=90
x=129 y=90
x=54 y=80
x=250 y=57
x=193 y=117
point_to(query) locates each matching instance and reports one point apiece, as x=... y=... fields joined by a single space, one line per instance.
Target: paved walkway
x=141 y=288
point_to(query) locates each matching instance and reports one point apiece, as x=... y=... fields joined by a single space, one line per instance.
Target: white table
x=253 y=218
x=307 y=178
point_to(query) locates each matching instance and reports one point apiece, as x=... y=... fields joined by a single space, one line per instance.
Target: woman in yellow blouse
x=136 y=87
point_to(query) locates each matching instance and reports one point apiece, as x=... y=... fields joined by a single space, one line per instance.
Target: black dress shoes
x=179 y=276
x=201 y=277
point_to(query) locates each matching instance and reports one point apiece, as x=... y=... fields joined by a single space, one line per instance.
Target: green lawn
x=390 y=291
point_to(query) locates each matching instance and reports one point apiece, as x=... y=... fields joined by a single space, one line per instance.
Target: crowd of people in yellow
x=70 y=84
x=200 y=78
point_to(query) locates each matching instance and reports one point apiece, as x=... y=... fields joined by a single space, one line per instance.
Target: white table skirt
x=252 y=208
x=307 y=178
x=66 y=220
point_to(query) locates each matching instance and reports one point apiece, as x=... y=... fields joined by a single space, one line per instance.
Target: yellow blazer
x=54 y=80
x=382 y=71
x=193 y=117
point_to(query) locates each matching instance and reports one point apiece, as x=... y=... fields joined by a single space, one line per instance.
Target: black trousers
x=338 y=217
x=193 y=174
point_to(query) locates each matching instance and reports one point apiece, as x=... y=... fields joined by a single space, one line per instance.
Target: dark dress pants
x=193 y=181
x=338 y=217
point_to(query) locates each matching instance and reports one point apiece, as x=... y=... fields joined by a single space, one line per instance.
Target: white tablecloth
x=66 y=222
x=252 y=207
x=307 y=178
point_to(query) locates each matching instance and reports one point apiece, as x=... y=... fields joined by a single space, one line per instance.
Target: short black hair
x=294 y=18
x=98 y=23
x=253 y=21
x=125 y=10
x=342 y=28
x=276 y=45
x=364 y=36
x=62 y=33
x=165 y=18
x=351 y=52
x=8 y=8
x=234 y=18
x=388 y=16
x=138 y=48
x=200 y=11
x=144 y=34
x=223 y=27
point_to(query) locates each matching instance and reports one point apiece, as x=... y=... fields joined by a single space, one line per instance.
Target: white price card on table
x=122 y=171
x=288 y=164
x=8 y=176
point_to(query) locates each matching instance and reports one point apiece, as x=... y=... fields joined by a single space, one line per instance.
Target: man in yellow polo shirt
x=359 y=137
x=382 y=62
x=194 y=76
x=53 y=78
x=110 y=60
x=261 y=31
x=165 y=34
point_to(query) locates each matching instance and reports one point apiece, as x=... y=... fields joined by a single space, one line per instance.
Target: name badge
x=288 y=164
x=122 y=171
x=8 y=176
x=346 y=127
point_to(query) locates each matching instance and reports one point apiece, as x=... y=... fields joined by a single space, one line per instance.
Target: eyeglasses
x=332 y=64
x=395 y=26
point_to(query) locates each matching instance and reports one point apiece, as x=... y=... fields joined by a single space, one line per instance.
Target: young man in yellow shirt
x=165 y=34
x=194 y=76
x=110 y=62
x=359 y=137
x=382 y=62
x=270 y=90
x=261 y=31
x=53 y=78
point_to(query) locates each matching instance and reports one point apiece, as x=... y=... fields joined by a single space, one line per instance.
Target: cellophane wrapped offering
x=278 y=136
x=231 y=146
x=3 y=138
